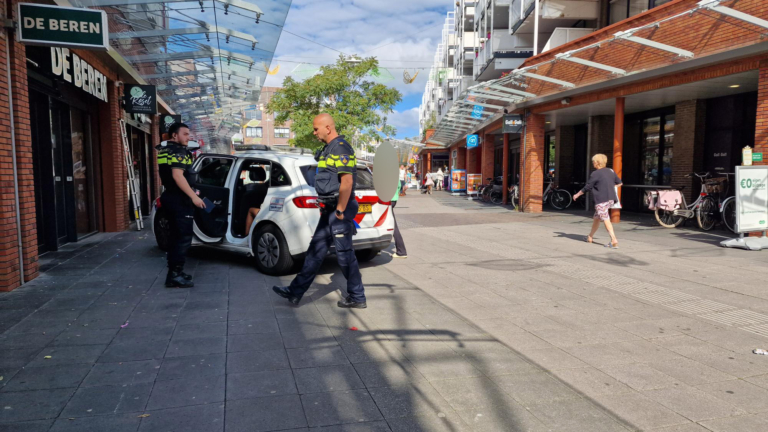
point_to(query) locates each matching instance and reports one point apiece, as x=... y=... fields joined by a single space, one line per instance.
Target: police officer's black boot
x=176 y=279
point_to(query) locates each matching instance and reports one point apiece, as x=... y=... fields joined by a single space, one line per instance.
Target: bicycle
x=558 y=198
x=728 y=208
x=704 y=209
x=514 y=196
x=491 y=191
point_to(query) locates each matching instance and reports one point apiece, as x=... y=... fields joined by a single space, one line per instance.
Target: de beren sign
x=77 y=71
x=62 y=26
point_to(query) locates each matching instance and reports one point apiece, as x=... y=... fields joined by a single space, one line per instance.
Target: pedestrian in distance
x=400 y=251
x=335 y=186
x=402 y=180
x=439 y=179
x=429 y=182
x=178 y=201
x=602 y=183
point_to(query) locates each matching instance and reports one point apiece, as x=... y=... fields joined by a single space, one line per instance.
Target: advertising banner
x=458 y=180
x=751 y=198
x=140 y=99
x=477 y=112
x=513 y=123
x=473 y=183
x=168 y=120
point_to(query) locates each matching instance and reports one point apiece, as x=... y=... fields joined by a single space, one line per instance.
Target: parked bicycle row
x=559 y=199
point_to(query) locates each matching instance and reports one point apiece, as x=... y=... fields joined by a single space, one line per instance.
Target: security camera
x=118 y=83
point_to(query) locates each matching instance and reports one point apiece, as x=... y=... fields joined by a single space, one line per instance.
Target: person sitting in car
x=255 y=192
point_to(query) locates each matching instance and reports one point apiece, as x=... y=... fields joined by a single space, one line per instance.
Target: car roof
x=301 y=159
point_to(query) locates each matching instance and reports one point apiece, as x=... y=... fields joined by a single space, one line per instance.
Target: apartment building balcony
x=553 y=14
x=503 y=52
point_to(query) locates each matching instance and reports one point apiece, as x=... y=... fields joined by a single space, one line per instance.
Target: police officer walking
x=178 y=201
x=335 y=186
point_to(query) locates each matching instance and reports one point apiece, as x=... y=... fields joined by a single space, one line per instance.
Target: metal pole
x=8 y=41
x=536 y=28
x=524 y=157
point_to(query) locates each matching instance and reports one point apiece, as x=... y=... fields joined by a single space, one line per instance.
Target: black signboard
x=168 y=120
x=140 y=99
x=513 y=123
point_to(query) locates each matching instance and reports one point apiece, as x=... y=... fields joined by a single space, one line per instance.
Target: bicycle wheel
x=560 y=199
x=706 y=216
x=668 y=219
x=486 y=194
x=496 y=197
x=729 y=215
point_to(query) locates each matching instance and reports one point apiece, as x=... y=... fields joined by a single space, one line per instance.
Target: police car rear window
x=364 y=177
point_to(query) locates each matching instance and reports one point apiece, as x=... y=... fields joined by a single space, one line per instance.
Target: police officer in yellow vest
x=178 y=201
x=335 y=186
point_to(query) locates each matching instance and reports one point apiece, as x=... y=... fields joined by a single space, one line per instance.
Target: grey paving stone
x=123 y=373
x=448 y=422
x=25 y=340
x=590 y=381
x=31 y=426
x=373 y=351
x=535 y=387
x=352 y=406
x=152 y=319
x=449 y=367
x=552 y=359
x=376 y=426
x=185 y=392
x=48 y=377
x=506 y=415
x=328 y=378
x=111 y=423
x=574 y=414
x=134 y=351
x=202 y=330
x=199 y=418
x=16 y=358
x=639 y=411
x=265 y=414
x=316 y=357
x=692 y=403
x=159 y=333
x=33 y=405
x=641 y=376
x=254 y=342
x=388 y=374
x=192 y=367
x=257 y=361
x=196 y=346
x=204 y=316
x=317 y=337
x=737 y=424
x=102 y=400
x=691 y=372
x=739 y=393
x=259 y=384
x=85 y=336
x=61 y=355
x=410 y=400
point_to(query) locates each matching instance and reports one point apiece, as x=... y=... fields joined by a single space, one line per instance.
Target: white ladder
x=132 y=180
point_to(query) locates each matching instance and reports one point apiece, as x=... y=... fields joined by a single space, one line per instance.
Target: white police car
x=281 y=184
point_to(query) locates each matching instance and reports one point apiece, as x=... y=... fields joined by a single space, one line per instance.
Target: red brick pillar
x=429 y=162
x=486 y=168
x=690 y=125
x=618 y=150
x=114 y=174
x=532 y=164
x=761 y=129
x=10 y=259
x=505 y=170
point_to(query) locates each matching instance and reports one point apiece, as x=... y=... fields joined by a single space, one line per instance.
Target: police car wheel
x=365 y=255
x=162 y=231
x=271 y=251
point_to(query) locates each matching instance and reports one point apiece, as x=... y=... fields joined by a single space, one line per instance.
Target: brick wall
x=10 y=268
x=473 y=160
x=688 y=156
x=761 y=129
x=564 y=154
x=461 y=156
x=532 y=164
x=601 y=136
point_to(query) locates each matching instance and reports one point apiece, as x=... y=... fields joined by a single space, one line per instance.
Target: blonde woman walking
x=602 y=183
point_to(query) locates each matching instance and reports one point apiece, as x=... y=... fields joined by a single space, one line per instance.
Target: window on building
x=253 y=132
x=623 y=9
x=282 y=133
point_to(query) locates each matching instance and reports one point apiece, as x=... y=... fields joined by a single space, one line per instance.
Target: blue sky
x=401 y=33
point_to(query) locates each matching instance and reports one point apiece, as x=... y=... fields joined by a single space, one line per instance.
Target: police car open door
x=213 y=173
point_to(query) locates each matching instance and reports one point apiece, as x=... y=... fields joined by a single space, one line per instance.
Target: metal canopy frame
x=569 y=57
x=629 y=36
x=714 y=5
x=169 y=32
x=235 y=3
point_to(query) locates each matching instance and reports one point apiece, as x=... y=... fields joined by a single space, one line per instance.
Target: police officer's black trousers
x=331 y=230
x=180 y=211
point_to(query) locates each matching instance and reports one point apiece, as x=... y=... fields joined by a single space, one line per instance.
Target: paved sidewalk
x=497 y=321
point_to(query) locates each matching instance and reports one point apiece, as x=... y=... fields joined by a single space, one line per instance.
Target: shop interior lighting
x=735 y=86
x=568 y=56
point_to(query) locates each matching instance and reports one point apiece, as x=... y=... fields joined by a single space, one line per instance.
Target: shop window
x=282 y=133
x=656 y=149
x=214 y=171
x=623 y=9
x=253 y=132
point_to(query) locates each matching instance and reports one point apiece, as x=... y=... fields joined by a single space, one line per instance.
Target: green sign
x=64 y=27
x=757 y=157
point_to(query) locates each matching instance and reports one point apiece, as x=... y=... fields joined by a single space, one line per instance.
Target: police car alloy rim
x=268 y=250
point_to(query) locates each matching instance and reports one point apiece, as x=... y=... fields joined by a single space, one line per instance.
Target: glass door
x=658 y=137
x=82 y=173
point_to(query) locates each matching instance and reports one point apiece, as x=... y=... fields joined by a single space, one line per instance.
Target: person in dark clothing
x=335 y=186
x=178 y=201
x=400 y=251
x=602 y=183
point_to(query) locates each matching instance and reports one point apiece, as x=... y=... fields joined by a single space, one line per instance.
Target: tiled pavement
x=496 y=321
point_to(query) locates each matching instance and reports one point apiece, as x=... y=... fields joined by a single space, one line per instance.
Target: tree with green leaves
x=347 y=91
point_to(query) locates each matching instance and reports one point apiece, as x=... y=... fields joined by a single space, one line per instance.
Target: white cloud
x=408 y=119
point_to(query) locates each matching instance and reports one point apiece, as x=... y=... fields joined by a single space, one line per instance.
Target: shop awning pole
x=9 y=38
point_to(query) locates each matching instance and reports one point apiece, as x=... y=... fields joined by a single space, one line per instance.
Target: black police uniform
x=336 y=158
x=176 y=204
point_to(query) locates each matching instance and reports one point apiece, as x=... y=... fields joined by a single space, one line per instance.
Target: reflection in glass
x=80 y=163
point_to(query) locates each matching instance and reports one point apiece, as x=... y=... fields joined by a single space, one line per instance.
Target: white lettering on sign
x=63 y=25
x=85 y=76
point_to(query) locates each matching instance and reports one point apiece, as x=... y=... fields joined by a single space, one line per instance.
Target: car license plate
x=364 y=208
